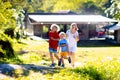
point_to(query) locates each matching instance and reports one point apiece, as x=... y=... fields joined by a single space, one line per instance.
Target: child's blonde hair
x=55 y=25
x=62 y=33
x=76 y=28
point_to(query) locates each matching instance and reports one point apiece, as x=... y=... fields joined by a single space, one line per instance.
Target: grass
x=98 y=61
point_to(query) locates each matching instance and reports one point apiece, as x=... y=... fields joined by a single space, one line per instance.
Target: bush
x=106 y=70
x=6 y=49
x=10 y=31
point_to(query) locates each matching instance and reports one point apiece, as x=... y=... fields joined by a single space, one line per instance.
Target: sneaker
x=59 y=62
x=63 y=65
x=52 y=65
x=69 y=59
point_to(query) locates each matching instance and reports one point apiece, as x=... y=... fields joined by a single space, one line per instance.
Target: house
x=113 y=33
x=38 y=24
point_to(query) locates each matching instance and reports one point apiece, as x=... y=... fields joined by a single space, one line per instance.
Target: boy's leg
x=56 y=57
x=62 y=60
x=65 y=57
x=63 y=65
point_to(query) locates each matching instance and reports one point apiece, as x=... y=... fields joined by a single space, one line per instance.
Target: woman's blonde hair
x=76 y=28
x=55 y=25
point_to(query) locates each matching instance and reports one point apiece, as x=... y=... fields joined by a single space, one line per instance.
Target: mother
x=73 y=37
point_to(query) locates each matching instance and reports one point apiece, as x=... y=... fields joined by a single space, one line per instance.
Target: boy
x=63 y=45
x=53 y=43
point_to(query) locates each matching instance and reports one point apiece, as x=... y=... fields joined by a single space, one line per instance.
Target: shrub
x=107 y=70
x=10 y=31
x=6 y=49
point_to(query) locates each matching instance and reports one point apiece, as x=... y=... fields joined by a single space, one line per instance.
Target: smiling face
x=54 y=29
x=73 y=27
x=62 y=35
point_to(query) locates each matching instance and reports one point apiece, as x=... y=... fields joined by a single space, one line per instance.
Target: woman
x=73 y=37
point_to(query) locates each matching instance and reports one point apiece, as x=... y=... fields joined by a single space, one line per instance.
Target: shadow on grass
x=24 y=69
x=96 y=43
x=20 y=42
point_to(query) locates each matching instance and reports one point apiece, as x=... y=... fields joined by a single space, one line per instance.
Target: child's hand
x=58 y=52
x=52 y=38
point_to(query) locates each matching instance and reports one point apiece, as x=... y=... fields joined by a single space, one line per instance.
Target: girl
x=53 y=44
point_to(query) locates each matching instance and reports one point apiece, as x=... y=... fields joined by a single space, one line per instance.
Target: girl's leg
x=59 y=61
x=69 y=57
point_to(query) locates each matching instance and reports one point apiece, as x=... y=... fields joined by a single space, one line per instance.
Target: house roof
x=115 y=27
x=68 y=19
x=110 y=26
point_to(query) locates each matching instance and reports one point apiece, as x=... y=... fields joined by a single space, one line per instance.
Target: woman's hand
x=76 y=38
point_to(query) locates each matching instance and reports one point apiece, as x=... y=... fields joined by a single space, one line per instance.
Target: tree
x=7 y=18
x=90 y=8
x=78 y=6
x=73 y=5
x=114 y=10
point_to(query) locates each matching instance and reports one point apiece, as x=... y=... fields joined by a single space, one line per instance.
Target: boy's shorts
x=52 y=50
x=64 y=54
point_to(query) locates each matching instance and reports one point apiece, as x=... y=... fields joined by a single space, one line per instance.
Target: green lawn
x=96 y=60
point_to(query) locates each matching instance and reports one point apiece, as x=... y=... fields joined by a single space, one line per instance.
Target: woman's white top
x=71 y=38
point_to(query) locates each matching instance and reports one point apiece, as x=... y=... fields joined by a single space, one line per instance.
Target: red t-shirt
x=53 y=43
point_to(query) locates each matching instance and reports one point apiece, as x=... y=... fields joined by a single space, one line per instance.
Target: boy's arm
x=58 y=49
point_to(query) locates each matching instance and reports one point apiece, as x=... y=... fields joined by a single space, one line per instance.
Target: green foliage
x=48 y=5
x=96 y=66
x=9 y=31
x=6 y=15
x=78 y=6
x=17 y=35
x=30 y=58
x=107 y=70
x=6 y=48
x=114 y=10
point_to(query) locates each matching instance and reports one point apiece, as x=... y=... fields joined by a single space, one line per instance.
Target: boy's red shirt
x=53 y=43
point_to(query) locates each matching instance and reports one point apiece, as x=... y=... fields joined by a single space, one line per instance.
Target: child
x=53 y=43
x=63 y=45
